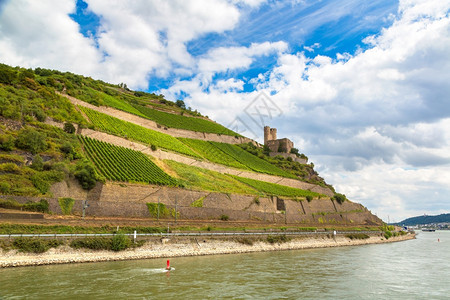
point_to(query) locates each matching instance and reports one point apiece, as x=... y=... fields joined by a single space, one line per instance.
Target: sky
x=361 y=87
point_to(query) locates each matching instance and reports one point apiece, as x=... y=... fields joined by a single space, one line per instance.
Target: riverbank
x=179 y=247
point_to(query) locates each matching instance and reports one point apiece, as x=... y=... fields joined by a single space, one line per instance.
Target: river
x=415 y=269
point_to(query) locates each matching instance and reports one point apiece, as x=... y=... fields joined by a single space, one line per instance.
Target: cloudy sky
x=361 y=87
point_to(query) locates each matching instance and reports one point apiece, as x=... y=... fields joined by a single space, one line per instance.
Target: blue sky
x=361 y=87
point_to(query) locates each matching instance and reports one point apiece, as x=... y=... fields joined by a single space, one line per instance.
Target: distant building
x=276 y=145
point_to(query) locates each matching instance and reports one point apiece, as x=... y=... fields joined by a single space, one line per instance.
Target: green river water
x=416 y=269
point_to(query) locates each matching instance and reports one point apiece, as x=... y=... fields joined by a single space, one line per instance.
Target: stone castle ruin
x=281 y=147
x=276 y=145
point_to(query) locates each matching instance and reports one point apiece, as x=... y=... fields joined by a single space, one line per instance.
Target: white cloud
x=133 y=42
x=40 y=33
x=231 y=58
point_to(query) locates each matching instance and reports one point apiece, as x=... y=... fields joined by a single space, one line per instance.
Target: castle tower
x=270 y=134
x=266 y=134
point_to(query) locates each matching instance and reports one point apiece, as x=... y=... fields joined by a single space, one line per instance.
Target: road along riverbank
x=187 y=246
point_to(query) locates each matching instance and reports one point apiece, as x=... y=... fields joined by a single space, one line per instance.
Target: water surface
x=416 y=269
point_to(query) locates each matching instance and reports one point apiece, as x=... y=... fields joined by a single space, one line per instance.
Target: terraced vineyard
x=123 y=164
x=275 y=189
x=212 y=153
x=135 y=132
x=251 y=161
x=182 y=122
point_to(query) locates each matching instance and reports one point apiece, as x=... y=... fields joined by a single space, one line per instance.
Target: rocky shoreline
x=176 y=248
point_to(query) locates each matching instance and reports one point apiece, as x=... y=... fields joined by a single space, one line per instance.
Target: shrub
x=4 y=187
x=357 y=236
x=120 y=242
x=387 y=234
x=32 y=140
x=35 y=245
x=282 y=238
x=94 y=243
x=85 y=173
x=224 y=218
x=153 y=147
x=340 y=198
x=10 y=204
x=66 y=205
x=309 y=198
x=6 y=142
x=41 y=206
x=38 y=163
x=69 y=128
x=7 y=74
x=245 y=241
x=39 y=183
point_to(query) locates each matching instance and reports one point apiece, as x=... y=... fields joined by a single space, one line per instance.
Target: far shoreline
x=166 y=248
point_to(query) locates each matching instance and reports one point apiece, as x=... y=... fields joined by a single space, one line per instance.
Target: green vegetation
x=340 y=198
x=123 y=164
x=34 y=245
x=36 y=229
x=254 y=163
x=198 y=202
x=158 y=210
x=277 y=239
x=210 y=152
x=135 y=132
x=86 y=175
x=201 y=179
x=304 y=172
x=276 y=189
x=40 y=206
x=66 y=205
x=357 y=236
x=183 y=122
x=224 y=217
x=118 y=242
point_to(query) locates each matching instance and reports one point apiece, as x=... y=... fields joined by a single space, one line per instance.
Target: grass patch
x=66 y=205
x=198 y=202
x=195 y=178
x=153 y=210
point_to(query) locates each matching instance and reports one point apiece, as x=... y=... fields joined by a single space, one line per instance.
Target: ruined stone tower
x=276 y=145
x=270 y=134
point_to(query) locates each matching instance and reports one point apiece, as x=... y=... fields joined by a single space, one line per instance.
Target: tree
x=69 y=128
x=7 y=74
x=180 y=104
x=86 y=175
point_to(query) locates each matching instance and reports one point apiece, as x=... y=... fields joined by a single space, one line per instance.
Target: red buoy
x=168 y=265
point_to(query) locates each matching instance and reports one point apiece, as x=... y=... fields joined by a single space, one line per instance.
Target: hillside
x=424 y=220
x=60 y=129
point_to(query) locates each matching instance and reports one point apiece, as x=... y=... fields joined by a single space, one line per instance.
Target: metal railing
x=171 y=234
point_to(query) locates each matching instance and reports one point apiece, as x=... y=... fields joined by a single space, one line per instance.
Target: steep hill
x=423 y=220
x=60 y=129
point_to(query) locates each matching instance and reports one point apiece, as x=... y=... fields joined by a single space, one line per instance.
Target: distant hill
x=422 y=220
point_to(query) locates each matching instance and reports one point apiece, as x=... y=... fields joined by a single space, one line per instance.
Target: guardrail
x=171 y=234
